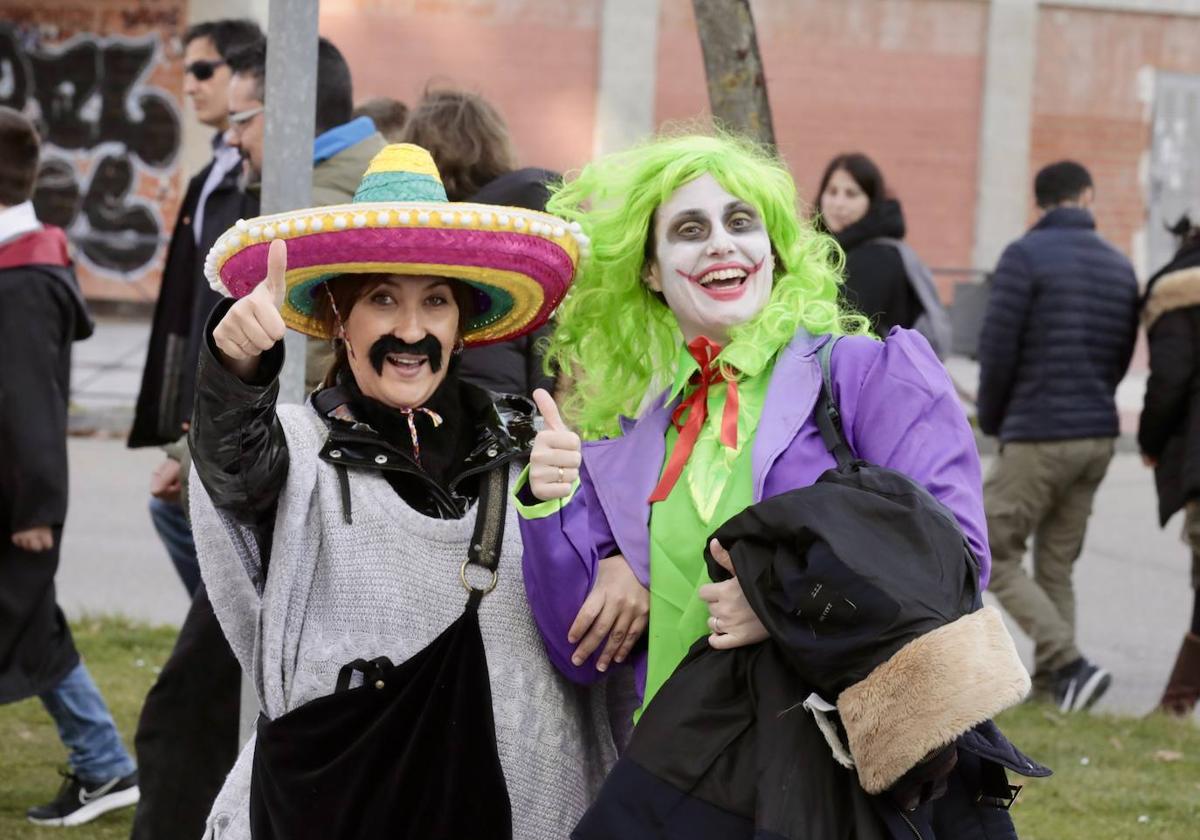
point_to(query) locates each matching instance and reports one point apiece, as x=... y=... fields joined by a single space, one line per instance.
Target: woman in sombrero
x=360 y=550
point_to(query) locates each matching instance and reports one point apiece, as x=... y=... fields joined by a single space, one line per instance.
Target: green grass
x=123 y=658
x=1115 y=778
x=1134 y=768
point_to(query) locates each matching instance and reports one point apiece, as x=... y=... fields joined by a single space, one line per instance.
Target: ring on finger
x=561 y=476
x=716 y=625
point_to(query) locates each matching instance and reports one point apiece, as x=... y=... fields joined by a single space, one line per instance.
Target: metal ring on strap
x=462 y=575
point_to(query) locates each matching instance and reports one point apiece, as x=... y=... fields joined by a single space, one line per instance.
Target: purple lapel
x=791 y=395
x=623 y=472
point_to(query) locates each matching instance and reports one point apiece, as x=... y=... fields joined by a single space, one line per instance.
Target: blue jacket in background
x=1058 y=334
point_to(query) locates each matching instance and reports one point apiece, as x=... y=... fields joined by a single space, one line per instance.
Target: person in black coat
x=1169 y=431
x=1057 y=337
x=854 y=206
x=42 y=314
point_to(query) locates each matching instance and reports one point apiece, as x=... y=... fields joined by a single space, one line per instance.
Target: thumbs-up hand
x=253 y=325
x=557 y=453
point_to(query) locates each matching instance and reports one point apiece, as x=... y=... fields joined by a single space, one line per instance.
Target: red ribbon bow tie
x=695 y=406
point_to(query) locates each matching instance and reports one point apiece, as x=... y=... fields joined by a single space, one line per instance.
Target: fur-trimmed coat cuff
x=931 y=691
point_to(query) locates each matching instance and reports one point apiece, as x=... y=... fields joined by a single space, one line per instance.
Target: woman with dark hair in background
x=853 y=204
x=470 y=143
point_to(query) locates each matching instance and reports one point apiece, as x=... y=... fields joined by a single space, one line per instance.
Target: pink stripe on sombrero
x=541 y=259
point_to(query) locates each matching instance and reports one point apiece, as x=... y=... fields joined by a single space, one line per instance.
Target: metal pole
x=291 y=96
x=287 y=145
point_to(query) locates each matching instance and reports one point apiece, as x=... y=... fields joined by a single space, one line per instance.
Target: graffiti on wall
x=102 y=126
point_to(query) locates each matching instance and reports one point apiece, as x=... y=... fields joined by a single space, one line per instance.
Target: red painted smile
x=723 y=281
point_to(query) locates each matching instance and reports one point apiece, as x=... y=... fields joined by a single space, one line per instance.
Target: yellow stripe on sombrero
x=404 y=157
x=527 y=295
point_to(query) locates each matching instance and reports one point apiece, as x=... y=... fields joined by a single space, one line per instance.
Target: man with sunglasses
x=177 y=794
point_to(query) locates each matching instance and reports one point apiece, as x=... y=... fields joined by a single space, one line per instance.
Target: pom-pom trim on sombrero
x=519 y=262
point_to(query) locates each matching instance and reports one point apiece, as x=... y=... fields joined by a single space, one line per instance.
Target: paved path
x=112 y=561
x=1132 y=581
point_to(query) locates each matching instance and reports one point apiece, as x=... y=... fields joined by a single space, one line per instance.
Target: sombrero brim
x=520 y=262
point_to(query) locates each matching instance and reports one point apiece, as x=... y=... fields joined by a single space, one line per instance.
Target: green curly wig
x=615 y=339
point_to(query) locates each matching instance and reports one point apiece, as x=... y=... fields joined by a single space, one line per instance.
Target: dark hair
x=1185 y=230
x=348 y=289
x=250 y=60
x=466 y=136
x=226 y=35
x=335 y=95
x=18 y=157
x=1059 y=182
x=865 y=173
x=335 y=91
x=389 y=115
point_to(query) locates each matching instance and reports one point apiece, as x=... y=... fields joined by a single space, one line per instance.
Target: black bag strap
x=344 y=486
x=373 y=671
x=489 y=532
x=829 y=419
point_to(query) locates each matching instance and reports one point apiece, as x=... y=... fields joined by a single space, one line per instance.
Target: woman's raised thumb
x=549 y=409
x=276 y=269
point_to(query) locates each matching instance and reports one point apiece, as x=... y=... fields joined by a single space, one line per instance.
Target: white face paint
x=713 y=259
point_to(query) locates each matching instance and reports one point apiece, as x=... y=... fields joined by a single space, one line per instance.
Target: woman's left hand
x=732 y=622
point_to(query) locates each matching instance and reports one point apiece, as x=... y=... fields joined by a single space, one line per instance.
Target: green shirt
x=715 y=485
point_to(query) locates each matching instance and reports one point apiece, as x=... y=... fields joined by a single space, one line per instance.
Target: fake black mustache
x=429 y=347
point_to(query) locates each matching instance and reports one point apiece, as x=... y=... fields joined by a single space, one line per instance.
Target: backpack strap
x=487 y=540
x=829 y=419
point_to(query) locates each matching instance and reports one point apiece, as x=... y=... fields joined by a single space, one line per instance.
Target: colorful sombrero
x=518 y=262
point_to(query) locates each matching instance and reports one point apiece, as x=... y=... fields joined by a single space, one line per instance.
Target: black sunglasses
x=203 y=69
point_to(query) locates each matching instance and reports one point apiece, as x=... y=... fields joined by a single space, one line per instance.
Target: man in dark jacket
x=41 y=314
x=1169 y=433
x=213 y=202
x=1057 y=339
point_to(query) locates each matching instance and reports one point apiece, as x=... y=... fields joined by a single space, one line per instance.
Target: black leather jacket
x=241 y=456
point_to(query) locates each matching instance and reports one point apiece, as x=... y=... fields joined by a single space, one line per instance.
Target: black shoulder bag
x=411 y=753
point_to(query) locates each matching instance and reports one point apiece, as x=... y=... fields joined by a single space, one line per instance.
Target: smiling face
x=843 y=202
x=713 y=260
x=401 y=310
x=246 y=130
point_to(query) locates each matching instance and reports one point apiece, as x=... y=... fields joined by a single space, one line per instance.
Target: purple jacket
x=899 y=410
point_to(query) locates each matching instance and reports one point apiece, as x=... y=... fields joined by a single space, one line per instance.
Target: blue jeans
x=86 y=728
x=175 y=531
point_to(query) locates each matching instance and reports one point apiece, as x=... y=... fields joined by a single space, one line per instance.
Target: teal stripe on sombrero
x=498 y=305
x=501 y=304
x=400 y=186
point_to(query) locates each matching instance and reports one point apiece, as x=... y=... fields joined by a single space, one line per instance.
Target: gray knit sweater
x=387 y=586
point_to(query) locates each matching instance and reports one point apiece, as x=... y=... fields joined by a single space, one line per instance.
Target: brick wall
x=535 y=60
x=103 y=79
x=1091 y=102
x=898 y=81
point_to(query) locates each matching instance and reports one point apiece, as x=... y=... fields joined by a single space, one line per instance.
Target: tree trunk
x=737 y=88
